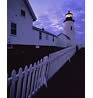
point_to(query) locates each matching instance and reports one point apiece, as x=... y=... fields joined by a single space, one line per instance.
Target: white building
x=67 y=40
x=43 y=38
x=22 y=32
x=20 y=20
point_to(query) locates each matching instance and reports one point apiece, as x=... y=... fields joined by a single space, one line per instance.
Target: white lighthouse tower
x=69 y=28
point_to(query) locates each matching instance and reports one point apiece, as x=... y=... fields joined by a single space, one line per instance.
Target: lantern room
x=69 y=17
x=68 y=14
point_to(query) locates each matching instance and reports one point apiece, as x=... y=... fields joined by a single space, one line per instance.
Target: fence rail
x=28 y=81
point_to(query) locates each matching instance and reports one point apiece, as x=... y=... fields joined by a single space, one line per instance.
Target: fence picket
x=29 y=81
x=24 y=82
x=36 y=76
x=47 y=69
x=12 y=88
x=33 y=75
x=39 y=74
x=41 y=69
x=19 y=83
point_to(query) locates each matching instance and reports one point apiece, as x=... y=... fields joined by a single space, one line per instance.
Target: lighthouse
x=69 y=28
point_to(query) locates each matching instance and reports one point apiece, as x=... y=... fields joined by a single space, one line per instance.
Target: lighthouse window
x=71 y=27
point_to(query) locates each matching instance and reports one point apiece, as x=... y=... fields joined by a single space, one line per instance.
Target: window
x=13 y=28
x=40 y=35
x=46 y=36
x=22 y=13
x=53 y=38
x=71 y=27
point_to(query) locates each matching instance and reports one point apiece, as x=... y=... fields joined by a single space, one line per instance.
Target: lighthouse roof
x=69 y=13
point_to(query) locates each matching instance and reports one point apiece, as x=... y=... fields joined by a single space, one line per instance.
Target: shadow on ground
x=68 y=82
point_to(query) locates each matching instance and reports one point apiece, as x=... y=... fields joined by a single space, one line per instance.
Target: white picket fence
x=27 y=82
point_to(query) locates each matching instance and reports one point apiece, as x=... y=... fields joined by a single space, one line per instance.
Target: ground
x=68 y=82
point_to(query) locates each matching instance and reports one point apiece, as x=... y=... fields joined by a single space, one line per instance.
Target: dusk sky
x=51 y=14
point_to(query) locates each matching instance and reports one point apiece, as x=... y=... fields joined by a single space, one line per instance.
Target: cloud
x=52 y=22
x=51 y=14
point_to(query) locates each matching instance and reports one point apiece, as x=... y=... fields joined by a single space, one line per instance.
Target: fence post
x=24 y=82
x=19 y=83
x=12 y=89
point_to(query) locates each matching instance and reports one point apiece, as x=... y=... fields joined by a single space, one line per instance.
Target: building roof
x=64 y=35
x=30 y=10
x=42 y=30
